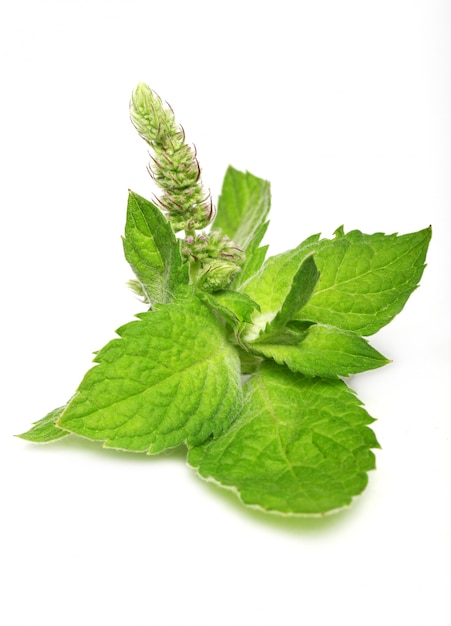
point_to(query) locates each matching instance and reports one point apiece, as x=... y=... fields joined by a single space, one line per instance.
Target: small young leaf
x=301 y=445
x=284 y=284
x=151 y=248
x=322 y=350
x=171 y=378
x=365 y=280
x=255 y=256
x=304 y=282
x=235 y=307
x=242 y=206
x=45 y=430
x=272 y=284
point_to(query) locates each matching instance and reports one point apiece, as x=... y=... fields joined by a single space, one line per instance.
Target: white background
x=344 y=106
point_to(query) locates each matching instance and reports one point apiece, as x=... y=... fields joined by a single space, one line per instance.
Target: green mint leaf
x=365 y=280
x=235 y=307
x=151 y=248
x=171 y=378
x=242 y=206
x=45 y=430
x=300 y=445
x=322 y=350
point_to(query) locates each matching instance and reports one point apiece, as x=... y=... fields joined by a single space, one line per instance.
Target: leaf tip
x=23 y=436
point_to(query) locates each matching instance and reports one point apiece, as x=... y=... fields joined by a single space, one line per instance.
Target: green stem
x=194 y=267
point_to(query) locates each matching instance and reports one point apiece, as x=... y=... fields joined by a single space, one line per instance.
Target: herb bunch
x=240 y=358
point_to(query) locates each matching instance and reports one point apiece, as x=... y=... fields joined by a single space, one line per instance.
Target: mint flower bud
x=174 y=165
x=153 y=122
x=216 y=274
x=213 y=245
x=217 y=258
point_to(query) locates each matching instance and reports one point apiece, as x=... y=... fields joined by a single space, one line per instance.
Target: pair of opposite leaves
x=290 y=436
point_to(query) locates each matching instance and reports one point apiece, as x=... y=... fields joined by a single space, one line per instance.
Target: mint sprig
x=238 y=358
